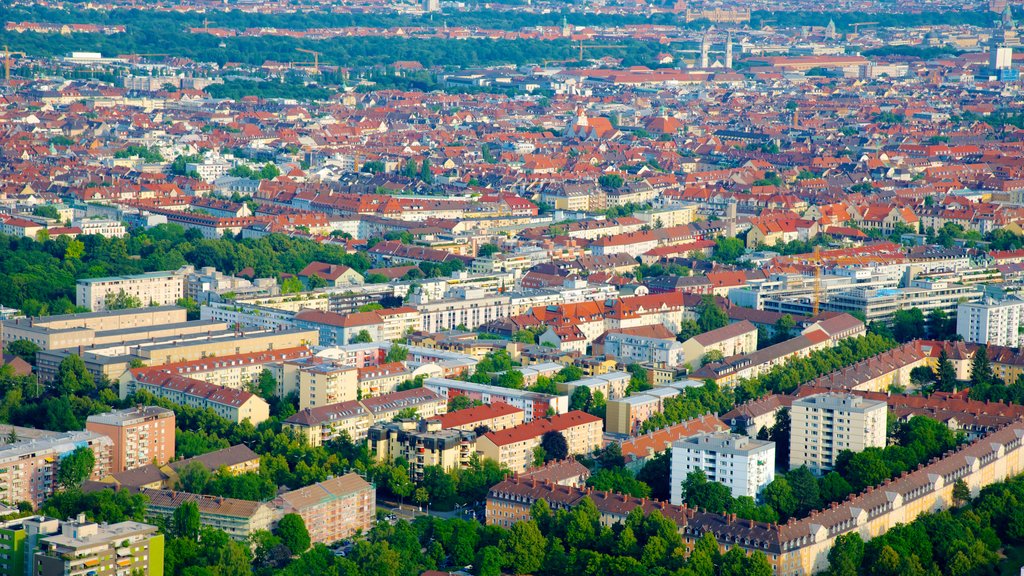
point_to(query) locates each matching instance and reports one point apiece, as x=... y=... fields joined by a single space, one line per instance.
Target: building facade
x=742 y=464
x=823 y=425
x=141 y=435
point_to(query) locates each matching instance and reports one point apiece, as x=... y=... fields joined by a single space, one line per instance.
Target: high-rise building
x=823 y=425
x=28 y=469
x=742 y=464
x=991 y=322
x=141 y=435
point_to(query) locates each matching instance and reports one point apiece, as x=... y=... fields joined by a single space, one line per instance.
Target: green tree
x=397 y=353
x=779 y=495
x=76 y=468
x=554 y=445
x=121 y=300
x=908 y=325
x=73 y=378
x=489 y=561
x=524 y=548
x=581 y=399
x=292 y=285
x=362 y=337
x=846 y=555
x=945 y=374
x=805 y=490
x=24 y=349
x=487 y=249
x=291 y=529
x=266 y=386
x=687 y=329
x=185 y=521
x=425 y=173
x=834 y=488
x=191 y=307
x=981 y=369
x=709 y=315
x=961 y=493
x=700 y=493
x=611 y=181
x=728 y=250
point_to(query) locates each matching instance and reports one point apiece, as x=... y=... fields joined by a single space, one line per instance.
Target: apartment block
x=28 y=469
x=495 y=416
x=238 y=518
x=228 y=403
x=74 y=330
x=354 y=418
x=88 y=548
x=334 y=509
x=653 y=345
x=533 y=404
x=731 y=340
x=823 y=425
x=141 y=435
x=610 y=385
x=513 y=447
x=163 y=288
x=742 y=464
x=991 y=322
x=421 y=444
x=626 y=415
x=234 y=370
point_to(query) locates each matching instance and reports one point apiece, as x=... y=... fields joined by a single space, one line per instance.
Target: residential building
x=75 y=330
x=744 y=465
x=238 y=371
x=334 y=509
x=626 y=415
x=421 y=443
x=229 y=403
x=991 y=322
x=354 y=418
x=639 y=449
x=334 y=275
x=240 y=519
x=610 y=385
x=494 y=416
x=513 y=448
x=755 y=415
x=83 y=547
x=161 y=288
x=533 y=404
x=237 y=459
x=642 y=345
x=799 y=547
x=823 y=425
x=141 y=435
x=28 y=468
x=730 y=340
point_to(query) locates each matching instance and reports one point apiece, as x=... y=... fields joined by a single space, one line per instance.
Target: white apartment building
x=101 y=227
x=991 y=322
x=470 y=309
x=742 y=464
x=823 y=425
x=210 y=168
x=162 y=288
x=630 y=348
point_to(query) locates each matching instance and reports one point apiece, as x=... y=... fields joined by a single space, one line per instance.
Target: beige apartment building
x=421 y=444
x=141 y=435
x=823 y=425
x=235 y=370
x=325 y=423
x=228 y=403
x=323 y=384
x=334 y=509
x=731 y=340
x=28 y=469
x=161 y=288
x=513 y=447
x=74 y=330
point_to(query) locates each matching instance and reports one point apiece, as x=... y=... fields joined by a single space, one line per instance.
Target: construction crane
x=857 y=25
x=7 y=64
x=581 y=46
x=316 y=59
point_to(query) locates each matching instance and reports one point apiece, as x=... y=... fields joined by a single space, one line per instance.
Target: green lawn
x=1010 y=566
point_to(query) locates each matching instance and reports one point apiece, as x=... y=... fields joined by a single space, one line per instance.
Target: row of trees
x=39 y=277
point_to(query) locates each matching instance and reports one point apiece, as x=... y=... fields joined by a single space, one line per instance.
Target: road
x=409 y=511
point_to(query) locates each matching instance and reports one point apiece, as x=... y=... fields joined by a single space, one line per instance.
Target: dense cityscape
x=602 y=288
